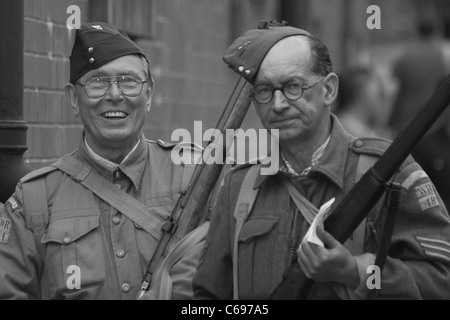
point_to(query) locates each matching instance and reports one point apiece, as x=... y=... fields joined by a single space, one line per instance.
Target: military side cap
x=247 y=52
x=97 y=43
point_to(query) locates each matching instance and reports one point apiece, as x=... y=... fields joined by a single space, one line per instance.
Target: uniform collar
x=132 y=166
x=333 y=162
x=330 y=165
x=105 y=162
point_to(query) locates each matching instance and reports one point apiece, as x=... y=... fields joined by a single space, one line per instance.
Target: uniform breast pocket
x=74 y=253
x=256 y=251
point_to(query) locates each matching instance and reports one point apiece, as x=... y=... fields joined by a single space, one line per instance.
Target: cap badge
x=98 y=27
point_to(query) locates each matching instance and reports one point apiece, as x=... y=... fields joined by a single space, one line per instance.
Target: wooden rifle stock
x=351 y=211
x=189 y=210
x=193 y=202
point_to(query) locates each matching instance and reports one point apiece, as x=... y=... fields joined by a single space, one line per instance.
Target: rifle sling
x=244 y=204
x=306 y=208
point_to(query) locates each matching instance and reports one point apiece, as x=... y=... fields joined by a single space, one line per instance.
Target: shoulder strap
x=106 y=191
x=38 y=173
x=244 y=204
x=36 y=213
x=36 y=208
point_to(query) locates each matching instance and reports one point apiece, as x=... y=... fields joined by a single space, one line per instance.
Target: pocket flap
x=256 y=227
x=66 y=230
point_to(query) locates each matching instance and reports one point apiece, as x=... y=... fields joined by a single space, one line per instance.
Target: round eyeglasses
x=129 y=86
x=292 y=90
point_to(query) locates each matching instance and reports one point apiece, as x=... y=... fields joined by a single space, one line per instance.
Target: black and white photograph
x=240 y=151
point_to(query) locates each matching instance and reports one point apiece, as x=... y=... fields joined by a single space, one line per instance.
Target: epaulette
x=236 y=167
x=371 y=146
x=38 y=173
x=408 y=172
x=170 y=145
x=162 y=144
x=191 y=145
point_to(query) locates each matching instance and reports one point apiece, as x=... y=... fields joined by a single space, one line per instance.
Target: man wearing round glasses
x=87 y=226
x=293 y=88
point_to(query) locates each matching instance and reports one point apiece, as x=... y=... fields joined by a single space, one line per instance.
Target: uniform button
x=359 y=143
x=116 y=220
x=120 y=253
x=91 y=60
x=118 y=186
x=126 y=287
x=90 y=50
x=66 y=240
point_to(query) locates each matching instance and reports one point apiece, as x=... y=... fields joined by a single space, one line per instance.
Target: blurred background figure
x=419 y=70
x=361 y=97
x=433 y=154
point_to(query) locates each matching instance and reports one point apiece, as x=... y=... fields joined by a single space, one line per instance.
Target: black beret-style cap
x=97 y=43
x=247 y=52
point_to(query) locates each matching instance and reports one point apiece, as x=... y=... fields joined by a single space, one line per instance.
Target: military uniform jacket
x=418 y=265
x=91 y=251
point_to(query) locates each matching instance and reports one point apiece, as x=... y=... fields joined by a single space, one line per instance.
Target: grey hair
x=148 y=72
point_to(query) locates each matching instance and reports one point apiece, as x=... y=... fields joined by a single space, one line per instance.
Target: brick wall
x=185 y=41
x=52 y=128
x=192 y=82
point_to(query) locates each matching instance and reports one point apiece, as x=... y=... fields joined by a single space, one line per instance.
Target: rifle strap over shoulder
x=106 y=191
x=244 y=204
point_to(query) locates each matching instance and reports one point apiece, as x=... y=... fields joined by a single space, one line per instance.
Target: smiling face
x=307 y=118
x=114 y=121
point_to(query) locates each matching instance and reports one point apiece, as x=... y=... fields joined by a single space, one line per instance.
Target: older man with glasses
x=87 y=226
x=248 y=250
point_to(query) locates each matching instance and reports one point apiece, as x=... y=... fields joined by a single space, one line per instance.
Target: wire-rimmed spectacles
x=292 y=90
x=97 y=87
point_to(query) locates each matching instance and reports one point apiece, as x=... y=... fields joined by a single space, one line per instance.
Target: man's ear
x=149 y=95
x=71 y=94
x=331 y=87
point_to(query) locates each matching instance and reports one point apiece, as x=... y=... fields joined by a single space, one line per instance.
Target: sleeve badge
x=5 y=227
x=13 y=203
x=426 y=196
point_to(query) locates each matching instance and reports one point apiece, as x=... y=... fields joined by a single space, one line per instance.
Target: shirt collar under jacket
x=287 y=167
x=330 y=165
x=132 y=166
